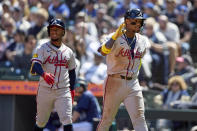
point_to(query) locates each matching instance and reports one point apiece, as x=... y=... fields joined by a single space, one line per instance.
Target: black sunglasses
x=133 y=23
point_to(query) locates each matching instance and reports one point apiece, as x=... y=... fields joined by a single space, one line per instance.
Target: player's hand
x=99 y=50
x=118 y=32
x=49 y=78
x=72 y=95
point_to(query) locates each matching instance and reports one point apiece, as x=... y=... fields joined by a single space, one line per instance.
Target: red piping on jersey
x=36 y=60
x=103 y=101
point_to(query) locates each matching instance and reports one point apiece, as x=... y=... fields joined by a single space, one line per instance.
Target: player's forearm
x=106 y=48
x=37 y=68
x=109 y=44
x=72 y=76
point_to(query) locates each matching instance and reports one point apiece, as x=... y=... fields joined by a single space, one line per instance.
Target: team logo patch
x=35 y=56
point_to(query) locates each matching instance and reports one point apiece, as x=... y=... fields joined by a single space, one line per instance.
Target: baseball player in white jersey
x=124 y=49
x=55 y=63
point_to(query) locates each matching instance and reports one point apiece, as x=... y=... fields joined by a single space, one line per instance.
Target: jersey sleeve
x=38 y=56
x=72 y=63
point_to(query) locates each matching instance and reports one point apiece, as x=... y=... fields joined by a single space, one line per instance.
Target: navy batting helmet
x=56 y=22
x=134 y=14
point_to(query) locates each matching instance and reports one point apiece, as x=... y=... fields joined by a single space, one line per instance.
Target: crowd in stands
x=171 y=26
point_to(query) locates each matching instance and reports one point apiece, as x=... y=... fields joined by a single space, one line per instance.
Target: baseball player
x=55 y=63
x=124 y=49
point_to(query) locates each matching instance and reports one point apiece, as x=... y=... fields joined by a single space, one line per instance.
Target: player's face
x=133 y=25
x=56 y=32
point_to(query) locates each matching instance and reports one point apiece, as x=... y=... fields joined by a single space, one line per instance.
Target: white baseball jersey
x=57 y=61
x=119 y=60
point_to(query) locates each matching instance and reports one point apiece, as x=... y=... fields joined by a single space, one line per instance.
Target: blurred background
x=168 y=75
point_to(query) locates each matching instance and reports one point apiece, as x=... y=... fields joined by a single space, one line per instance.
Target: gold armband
x=105 y=50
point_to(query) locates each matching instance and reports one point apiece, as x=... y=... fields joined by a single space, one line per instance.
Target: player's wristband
x=105 y=49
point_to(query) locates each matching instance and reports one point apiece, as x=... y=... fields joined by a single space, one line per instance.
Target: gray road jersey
x=119 y=60
x=57 y=61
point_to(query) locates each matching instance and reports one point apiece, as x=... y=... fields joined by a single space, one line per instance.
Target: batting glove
x=118 y=32
x=49 y=78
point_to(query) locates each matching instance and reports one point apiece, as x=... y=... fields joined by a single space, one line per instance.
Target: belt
x=121 y=76
x=126 y=78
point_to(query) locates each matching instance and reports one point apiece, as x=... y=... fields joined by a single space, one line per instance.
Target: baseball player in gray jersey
x=55 y=63
x=124 y=49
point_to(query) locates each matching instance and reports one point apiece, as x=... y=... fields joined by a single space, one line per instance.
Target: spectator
x=81 y=17
x=8 y=26
x=111 y=5
x=21 y=61
x=168 y=29
x=177 y=90
x=170 y=10
x=80 y=47
x=192 y=16
x=184 y=29
x=70 y=38
x=158 y=52
x=186 y=105
x=58 y=8
x=6 y=6
x=103 y=21
x=171 y=33
x=3 y=46
x=75 y=7
x=40 y=21
x=82 y=31
x=17 y=47
x=18 y=16
x=24 y=5
x=149 y=10
x=184 y=68
x=87 y=108
x=31 y=18
x=33 y=3
x=94 y=71
x=90 y=9
x=122 y=8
